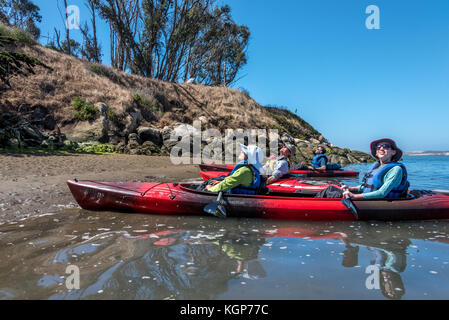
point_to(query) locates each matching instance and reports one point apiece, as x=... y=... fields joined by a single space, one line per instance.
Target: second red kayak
x=305 y=173
x=283 y=185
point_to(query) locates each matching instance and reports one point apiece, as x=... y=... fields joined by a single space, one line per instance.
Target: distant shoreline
x=427 y=153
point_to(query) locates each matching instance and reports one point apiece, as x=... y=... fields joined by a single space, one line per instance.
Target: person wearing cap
x=245 y=178
x=280 y=166
x=387 y=178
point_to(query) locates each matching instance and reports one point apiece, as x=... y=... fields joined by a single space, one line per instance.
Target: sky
x=353 y=84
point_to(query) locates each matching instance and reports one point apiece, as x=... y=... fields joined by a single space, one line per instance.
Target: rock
x=30 y=133
x=287 y=138
x=203 y=120
x=45 y=144
x=314 y=141
x=85 y=131
x=120 y=147
x=165 y=133
x=102 y=107
x=133 y=142
x=351 y=159
x=14 y=142
x=132 y=121
x=149 y=148
x=150 y=134
x=343 y=161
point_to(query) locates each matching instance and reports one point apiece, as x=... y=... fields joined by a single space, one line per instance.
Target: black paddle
x=216 y=208
x=348 y=202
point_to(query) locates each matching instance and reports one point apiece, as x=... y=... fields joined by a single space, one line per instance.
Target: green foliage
x=83 y=111
x=149 y=104
x=15 y=63
x=104 y=72
x=96 y=148
x=18 y=35
x=175 y=40
x=21 y=14
x=111 y=115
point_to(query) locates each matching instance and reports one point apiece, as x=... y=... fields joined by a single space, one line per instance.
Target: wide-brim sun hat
x=291 y=148
x=255 y=156
x=393 y=145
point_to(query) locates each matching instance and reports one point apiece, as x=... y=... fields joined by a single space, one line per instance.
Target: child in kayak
x=280 y=166
x=387 y=179
x=246 y=177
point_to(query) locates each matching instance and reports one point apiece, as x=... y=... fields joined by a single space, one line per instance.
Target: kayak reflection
x=242 y=247
x=140 y=257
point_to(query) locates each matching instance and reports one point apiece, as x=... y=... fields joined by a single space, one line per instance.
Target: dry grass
x=180 y=103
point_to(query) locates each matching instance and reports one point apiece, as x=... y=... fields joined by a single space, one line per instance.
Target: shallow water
x=131 y=256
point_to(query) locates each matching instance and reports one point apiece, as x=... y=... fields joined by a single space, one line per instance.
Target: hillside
x=80 y=103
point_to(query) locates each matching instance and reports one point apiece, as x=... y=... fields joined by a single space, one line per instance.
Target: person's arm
x=242 y=176
x=391 y=180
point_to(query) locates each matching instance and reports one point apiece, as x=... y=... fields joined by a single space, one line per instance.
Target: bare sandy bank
x=33 y=184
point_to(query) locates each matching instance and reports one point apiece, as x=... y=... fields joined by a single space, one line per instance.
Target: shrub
x=17 y=34
x=105 y=72
x=83 y=111
x=149 y=104
x=111 y=115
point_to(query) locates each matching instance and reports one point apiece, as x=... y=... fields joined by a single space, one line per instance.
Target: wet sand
x=35 y=184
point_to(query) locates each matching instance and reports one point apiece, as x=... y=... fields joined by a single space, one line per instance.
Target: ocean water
x=135 y=256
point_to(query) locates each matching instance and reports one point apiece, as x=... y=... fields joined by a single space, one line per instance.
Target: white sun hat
x=255 y=156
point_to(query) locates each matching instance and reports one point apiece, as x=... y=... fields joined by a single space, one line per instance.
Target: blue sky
x=352 y=84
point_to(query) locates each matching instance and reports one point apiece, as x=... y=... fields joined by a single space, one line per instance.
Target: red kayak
x=304 y=173
x=283 y=185
x=181 y=199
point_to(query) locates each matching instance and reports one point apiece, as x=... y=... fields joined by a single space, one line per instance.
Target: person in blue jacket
x=388 y=177
x=319 y=161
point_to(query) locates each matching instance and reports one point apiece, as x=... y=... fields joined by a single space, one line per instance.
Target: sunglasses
x=383 y=145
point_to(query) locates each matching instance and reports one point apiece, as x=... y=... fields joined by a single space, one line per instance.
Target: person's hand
x=344 y=187
x=272 y=158
x=348 y=194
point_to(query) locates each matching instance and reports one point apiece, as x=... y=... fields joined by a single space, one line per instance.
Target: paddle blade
x=348 y=203
x=216 y=208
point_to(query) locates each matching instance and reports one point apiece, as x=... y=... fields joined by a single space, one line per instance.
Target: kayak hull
x=179 y=199
x=304 y=173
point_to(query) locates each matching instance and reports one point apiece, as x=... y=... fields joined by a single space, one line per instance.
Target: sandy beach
x=34 y=184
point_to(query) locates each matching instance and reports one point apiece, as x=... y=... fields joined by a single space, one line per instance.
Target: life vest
x=374 y=180
x=317 y=158
x=253 y=188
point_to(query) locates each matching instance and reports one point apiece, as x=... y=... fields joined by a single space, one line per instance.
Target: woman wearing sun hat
x=387 y=178
x=245 y=178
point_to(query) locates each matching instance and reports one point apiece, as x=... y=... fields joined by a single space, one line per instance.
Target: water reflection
x=149 y=257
